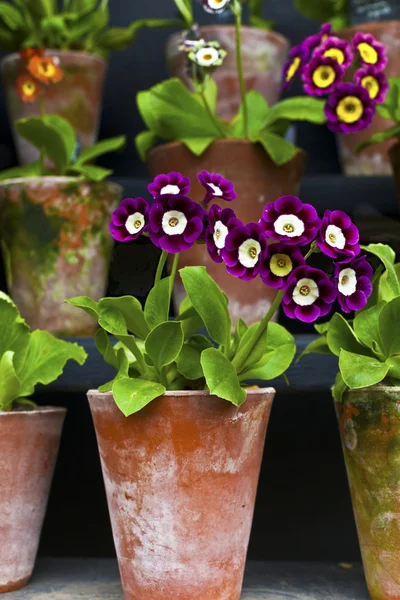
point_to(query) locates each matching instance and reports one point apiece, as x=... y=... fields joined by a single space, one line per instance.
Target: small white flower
x=135 y=223
x=207 y=56
x=306 y=292
x=289 y=225
x=170 y=189
x=174 y=222
x=347 y=282
x=249 y=252
x=216 y=5
x=217 y=191
x=220 y=233
x=334 y=237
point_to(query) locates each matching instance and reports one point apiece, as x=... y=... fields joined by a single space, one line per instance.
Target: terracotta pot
x=257 y=181
x=370 y=427
x=56 y=245
x=181 y=480
x=394 y=154
x=29 y=442
x=78 y=97
x=374 y=160
x=264 y=54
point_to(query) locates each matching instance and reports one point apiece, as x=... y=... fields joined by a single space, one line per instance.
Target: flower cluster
x=40 y=69
x=275 y=248
x=322 y=61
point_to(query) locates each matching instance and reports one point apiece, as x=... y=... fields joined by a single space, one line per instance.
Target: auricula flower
x=207 y=54
x=130 y=219
x=289 y=220
x=295 y=64
x=338 y=49
x=216 y=186
x=27 y=88
x=176 y=222
x=338 y=235
x=220 y=222
x=28 y=53
x=353 y=277
x=278 y=263
x=375 y=82
x=244 y=249
x=371 y=52
x=45 y=69
x=309 y=294
x=169 y=183
x=321 y=75
x=314 y=41
x=215 y=6
x=349 y=108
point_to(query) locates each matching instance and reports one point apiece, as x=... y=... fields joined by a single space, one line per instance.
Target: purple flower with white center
x=215 y=6
x=338 y=49
x=371 y=52
x=216 y=186
x=338 y=235
x=280 y=261
x=295 y=64
x=175 y=222
x=244 y=249
x=314 y=41
x=220 y=222
x=309 y=294
x=169 y=183
x=321 y=75
x=289 y=220
x=375 y=82
x=130 y=219
x=353 y=277
x=349 y=108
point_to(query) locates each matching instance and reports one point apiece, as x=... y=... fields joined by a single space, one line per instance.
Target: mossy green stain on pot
x=369 y=422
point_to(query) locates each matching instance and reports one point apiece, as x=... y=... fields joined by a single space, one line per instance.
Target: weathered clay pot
x=370 y=427
x=56 y=245
x=181 y=480
x=29 y=442
x=77 y=98
x=264 y=54
x=373 y=160
x=257 y=181
x=394 y=154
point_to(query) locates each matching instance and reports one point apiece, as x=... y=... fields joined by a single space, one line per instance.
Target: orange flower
x=28 y=53
x=27 y=88
x=45 y=69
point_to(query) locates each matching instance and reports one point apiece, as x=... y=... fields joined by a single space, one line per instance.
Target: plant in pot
x=264 y=51
x=53 y=220
x=367 y=400
x=180 y=431
x=29 y=438
x=44 y=37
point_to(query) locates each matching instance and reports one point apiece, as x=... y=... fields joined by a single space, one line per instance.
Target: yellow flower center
x=207 y=57
x=324 y=76
x=29 y=88
x=332 y=238
x=46 y=69
x=217 y=234
x=350 y=109
x=173 y=222
x=288 y=228
x=371 y=84
x=304 y=290
x=253 y=252
x=368 y=53
x=292 y=70
x=137 y=224
x=281 y=265
x=345 y=279
x=337 y=54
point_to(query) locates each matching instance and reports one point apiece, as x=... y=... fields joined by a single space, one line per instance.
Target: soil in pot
x=77 y=98
x=369 y=423
x=257 y=181
x=56 y=245
x=181 y=478
x=29 y=442
x=264 y=54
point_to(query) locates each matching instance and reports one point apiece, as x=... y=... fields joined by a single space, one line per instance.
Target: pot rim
x=183 y=393
x=54 y=52
x=38 y=410
x=370 y=26
x=269 y=34
x=374 y=388
x=57 y=179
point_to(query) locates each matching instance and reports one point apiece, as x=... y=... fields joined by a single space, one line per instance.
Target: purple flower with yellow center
x=295 y=64
x=175 y=222
x=169 y=183
x=216 y=187
x=280 y=261
x=289 y=220
x=321 y=75
x=353 y=277
x=130 y=219
x=215 y=6
x=338 y=49
x=244 y=249
x=220 y=222
x=375 y=82
x=338 y=235
x=314 y=41
x=309 y=294
x=371 y=52
x=349 y=108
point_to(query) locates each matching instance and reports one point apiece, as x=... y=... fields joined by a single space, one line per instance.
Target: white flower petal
x=170 y=189
x=347 y=282
x=217 y=191
x=174 y=222
x=207 y=56
x=289 y=225
x=135 y=223
x=334 y=237
x=306 y=292
x=220 y=233
x=249 y=252
x=217 y=4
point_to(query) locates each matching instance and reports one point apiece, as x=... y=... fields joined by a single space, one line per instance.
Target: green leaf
x=389 y=327
x=164 y=343
x=122 y=366
x=112 y=320
x=197 y=145
x=10 y=384
x=46 y=138
x=366 y=325
x=325 y=10
x=258 y=111
x=14 y=332
x=277 y=358
x=119 y=38
x=317 y=346
x=322 y=327
x=221 y=377
x=144 y=142
x=341 y=335
x=66 y=132
x=391 y=107
x=90 y=172
x=186 y=9
x=189 y=318
x=11 y=16
x=361 y=371
x=34 y=169
x=339 y=388
x=132 y=312
x=385 y=291
x=189 y=363
x=387 y=255
x=131 y=395
x=104 y=346
x=110 y=145
x=297 y=109
x=394 y=366
x=85 y=303
x=381 y=136
x=156 y=309
x=278 y=149
x=209 y=302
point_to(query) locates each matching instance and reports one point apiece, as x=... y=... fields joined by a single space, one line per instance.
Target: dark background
x=303 y=509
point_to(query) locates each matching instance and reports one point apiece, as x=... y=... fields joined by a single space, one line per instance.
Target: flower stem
x=173 y=275
x=161 y=264
x=41 y=106
x=237 y=11
x=210 y=113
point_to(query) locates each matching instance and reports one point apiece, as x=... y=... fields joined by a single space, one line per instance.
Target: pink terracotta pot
x=264 y=55
x=77 y=98
x=29 y=442
x=181 y=479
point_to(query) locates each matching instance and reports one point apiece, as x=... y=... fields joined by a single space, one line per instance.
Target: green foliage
x=28 y=358
x=335 y=11
x=390 y=109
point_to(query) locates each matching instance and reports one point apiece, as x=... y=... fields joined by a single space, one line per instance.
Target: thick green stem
x=161 y=265
x=41 y=106
x=239 y=62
